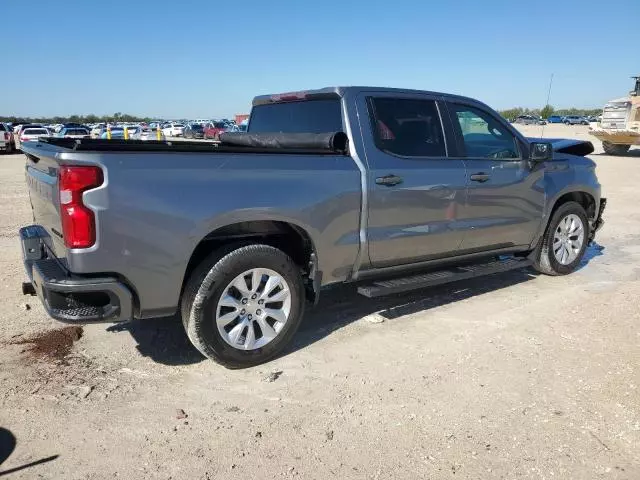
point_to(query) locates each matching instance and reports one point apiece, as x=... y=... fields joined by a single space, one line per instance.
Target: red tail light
x=78 y=222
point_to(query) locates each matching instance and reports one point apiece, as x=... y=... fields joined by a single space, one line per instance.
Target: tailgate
x=42 y=182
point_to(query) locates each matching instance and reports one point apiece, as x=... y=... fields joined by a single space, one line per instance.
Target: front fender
x=565 y=176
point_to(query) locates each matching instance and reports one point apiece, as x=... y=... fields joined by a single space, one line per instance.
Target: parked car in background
x=17 y=129
x=74 y=132
x=242 y=128
x=7 y=143
x=554 y=119
x=529 y=120
x=575 y=120
x=173 y=129
x=116 y=132
x=31 y=134
x=97 y=130
x=146 y=133
x=212 y=130
x=131 y=129
x=193 y=130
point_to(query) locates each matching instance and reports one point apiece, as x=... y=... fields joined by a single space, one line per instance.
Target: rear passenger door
x=505 y=196
x=414 y=189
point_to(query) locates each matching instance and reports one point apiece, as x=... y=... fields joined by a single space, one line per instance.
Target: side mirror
x=541 y=152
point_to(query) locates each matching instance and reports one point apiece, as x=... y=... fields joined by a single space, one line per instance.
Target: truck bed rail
x=274 y=143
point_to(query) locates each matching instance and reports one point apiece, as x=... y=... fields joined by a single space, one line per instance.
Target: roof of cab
x=328 y=92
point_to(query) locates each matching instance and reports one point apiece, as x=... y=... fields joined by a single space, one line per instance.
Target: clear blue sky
x=188 y=58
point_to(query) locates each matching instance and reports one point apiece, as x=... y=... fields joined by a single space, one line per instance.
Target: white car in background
x=31 y=134
x=97 y=130
x=173 y=129
x=131 y=129
x=146 y=133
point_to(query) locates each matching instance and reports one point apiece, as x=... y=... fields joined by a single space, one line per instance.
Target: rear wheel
x=614 y=149
x=564 y=242
x=242 y=306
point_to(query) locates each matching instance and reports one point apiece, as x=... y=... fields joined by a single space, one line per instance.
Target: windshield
x=313 y=116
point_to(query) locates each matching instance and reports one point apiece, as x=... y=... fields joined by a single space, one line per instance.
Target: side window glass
x=483 y=135
x=407 y=127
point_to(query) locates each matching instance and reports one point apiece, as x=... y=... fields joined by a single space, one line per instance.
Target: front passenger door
x=505 y=195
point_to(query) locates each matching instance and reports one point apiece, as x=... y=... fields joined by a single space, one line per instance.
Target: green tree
x=511 y=113
x=547 y=111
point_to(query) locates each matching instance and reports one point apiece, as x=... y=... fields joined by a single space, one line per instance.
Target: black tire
x=209 y=281
x=544 y=261
x=613 y=149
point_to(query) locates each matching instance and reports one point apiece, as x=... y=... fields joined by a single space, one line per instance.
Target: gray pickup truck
x=393 y=190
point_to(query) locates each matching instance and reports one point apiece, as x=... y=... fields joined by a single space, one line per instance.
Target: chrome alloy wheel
x=253 y=309
x=568 y=239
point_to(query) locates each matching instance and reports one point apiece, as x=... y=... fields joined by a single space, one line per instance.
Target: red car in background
x=212 y=130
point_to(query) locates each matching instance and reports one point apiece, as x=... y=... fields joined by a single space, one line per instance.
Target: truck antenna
x=548 y=97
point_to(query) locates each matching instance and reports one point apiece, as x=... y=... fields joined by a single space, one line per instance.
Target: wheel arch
x=584 y=198
x=290 y=237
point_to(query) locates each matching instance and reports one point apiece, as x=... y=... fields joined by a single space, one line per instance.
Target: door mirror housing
x=541 y=152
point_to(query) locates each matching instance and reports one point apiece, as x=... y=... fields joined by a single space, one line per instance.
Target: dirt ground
x=514 y=376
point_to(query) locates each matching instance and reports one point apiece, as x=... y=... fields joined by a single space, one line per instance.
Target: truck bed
x=160 y=200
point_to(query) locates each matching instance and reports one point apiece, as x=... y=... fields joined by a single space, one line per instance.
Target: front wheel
x=564 y=242
x=242 y=306
x=614 y=149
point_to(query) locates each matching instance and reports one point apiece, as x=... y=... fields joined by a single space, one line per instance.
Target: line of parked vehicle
x=13 y=136
x=566 y=119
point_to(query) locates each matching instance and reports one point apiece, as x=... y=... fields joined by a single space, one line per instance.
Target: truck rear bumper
x=68 y=297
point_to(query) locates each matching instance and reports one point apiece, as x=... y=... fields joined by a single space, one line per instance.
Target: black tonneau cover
x=283 y=143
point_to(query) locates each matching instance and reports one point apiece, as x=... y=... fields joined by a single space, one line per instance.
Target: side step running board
x=451 y=274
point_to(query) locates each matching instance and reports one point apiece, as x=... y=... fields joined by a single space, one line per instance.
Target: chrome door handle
x=389 y=180
x=479 y=177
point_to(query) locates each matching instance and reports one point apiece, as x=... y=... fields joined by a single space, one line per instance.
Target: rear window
x=77 y=131
x=313 y=116
x=35 y=131
x=197 y=126
x=219 y=125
